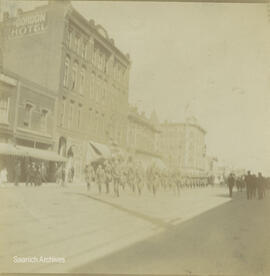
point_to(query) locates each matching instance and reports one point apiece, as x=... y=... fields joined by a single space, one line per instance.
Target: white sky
x=212 y=57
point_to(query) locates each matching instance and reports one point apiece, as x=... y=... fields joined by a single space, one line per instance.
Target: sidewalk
x=82 y=226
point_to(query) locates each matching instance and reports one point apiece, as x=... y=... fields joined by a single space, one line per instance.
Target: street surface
x=84 y=226
x=232 y=239
x=200 y=230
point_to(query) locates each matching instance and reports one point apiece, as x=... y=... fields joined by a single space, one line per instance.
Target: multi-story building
x=141 y=138
x=183 y=146
x=57 y=48
x=27 y=126
x=8 y=95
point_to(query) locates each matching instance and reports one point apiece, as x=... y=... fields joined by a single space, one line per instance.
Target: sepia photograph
x=135 y=137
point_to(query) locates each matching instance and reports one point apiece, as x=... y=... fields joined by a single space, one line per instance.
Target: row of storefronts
x=64 y=89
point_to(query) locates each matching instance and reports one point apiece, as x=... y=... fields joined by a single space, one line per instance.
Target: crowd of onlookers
x=255 y=185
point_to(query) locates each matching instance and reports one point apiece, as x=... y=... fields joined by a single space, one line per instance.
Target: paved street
x=233 y=239
x=50 y=221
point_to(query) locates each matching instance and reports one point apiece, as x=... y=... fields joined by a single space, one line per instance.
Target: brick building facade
x=56 y=48
x=142 y=137
x=183 y=146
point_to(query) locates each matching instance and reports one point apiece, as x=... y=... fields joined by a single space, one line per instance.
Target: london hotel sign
x=28 y=24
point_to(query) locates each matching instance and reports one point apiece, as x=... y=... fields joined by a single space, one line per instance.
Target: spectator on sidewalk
x=3 y=176
x=17 y=173
x=231 y=182
x=260 y=186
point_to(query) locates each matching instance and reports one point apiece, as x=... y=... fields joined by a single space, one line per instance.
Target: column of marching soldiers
x=114 y=175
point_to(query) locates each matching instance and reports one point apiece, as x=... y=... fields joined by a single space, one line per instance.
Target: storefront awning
x=9 y=149
x=42 y=154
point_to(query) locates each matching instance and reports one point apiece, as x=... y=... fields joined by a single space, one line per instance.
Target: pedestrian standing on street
x=28 y=172
x=254 y=186
x=17 y=173
x=260 y=186
x=36 y=175
x=248 y=180
x=231 y=182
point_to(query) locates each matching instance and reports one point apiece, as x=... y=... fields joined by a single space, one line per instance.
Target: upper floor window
x=74 y=76
x=70 y=114
x=90 y=117
x=4 y=109
x=69 y=38
x=44 y=119
x=79 y=116
x=27 y=114
x=63 y=112
x=91 y=84
x=66 y=72
x=84 y=49
x=82 y=80
x=77 y=44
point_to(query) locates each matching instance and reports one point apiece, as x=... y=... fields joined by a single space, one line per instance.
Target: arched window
x=66 y=72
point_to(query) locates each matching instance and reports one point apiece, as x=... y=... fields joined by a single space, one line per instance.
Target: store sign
x=27 y=25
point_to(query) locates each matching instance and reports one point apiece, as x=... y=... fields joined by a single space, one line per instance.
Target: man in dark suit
x=249 y=183
x=231 y=182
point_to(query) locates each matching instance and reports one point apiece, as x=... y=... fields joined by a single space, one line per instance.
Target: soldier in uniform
x=108 y=173
x=99 y=178
x=87 y=176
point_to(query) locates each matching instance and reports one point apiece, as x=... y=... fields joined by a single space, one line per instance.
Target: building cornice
x=91 y=28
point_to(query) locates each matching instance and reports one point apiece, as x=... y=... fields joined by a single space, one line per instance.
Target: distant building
x=58 y=49
x=142 y=138
x=183 y=146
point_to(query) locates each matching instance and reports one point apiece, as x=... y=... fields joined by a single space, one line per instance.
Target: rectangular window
x=69 y=38
x=76 y=44
x=84 y=50
x=90 y=118
x=66 y=72
x=4 y=110
x=74 y=76
x=82 y=80
x=44 y=119
x=70 y=115
x=63 y=112
x=91 y=85
x=27 y=114
x=79 y=116
x=96 y=123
